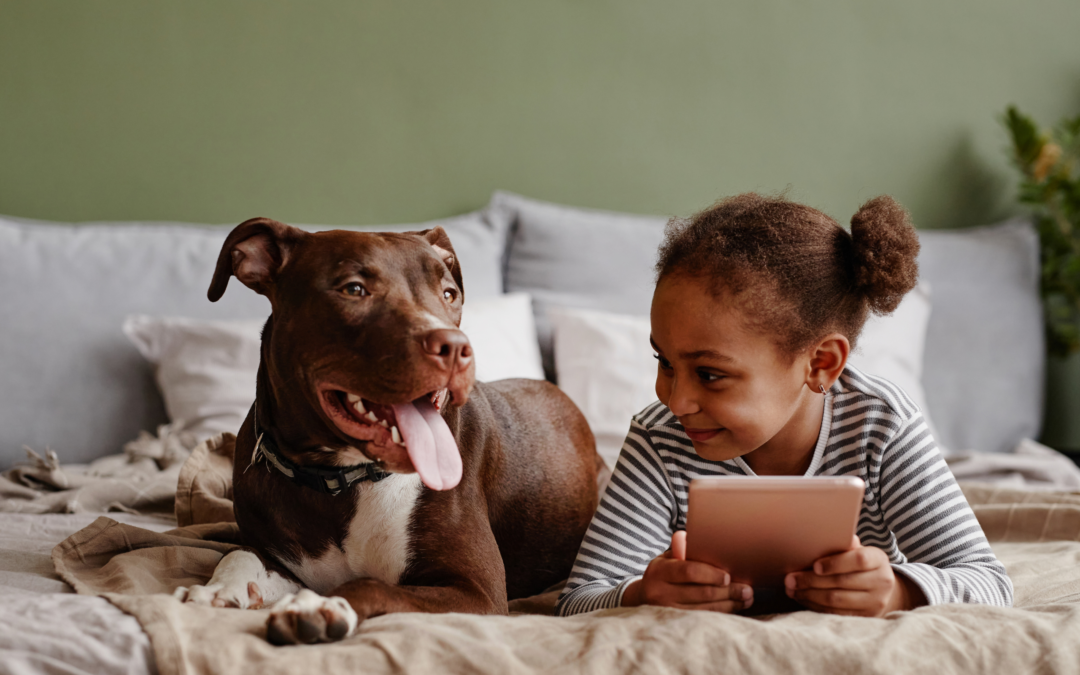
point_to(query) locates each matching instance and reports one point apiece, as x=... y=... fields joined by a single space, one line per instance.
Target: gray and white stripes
x=912 y=509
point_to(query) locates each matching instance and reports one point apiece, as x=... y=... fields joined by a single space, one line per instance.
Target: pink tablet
x=759 y=528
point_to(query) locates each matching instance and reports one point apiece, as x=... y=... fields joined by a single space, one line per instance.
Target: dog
x=373 y=474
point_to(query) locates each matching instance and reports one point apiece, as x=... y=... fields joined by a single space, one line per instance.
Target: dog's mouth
x=401 y=434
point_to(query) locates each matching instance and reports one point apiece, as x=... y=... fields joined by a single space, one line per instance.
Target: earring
x=822 y=388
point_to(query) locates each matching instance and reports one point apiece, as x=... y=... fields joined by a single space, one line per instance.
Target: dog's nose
x=448 y=347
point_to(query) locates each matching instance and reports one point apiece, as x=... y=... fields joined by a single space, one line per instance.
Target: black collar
x=330 y=480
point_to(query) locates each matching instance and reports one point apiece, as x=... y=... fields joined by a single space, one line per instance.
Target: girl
x=758 y=303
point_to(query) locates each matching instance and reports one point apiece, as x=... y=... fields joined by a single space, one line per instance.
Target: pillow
x=503 y=337
x=570 y=257
x=206 y=370
x=985 y=350
x=72 y=382
x=893 y=347
x=605 y=363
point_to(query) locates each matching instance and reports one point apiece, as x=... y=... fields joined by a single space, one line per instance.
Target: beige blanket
x=1036 y=534
x=142 y=479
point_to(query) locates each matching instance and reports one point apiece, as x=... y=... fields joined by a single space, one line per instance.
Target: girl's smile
x=732 y=388
x=701 y=435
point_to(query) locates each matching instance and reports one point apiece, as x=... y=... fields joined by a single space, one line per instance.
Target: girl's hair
x=794 y=271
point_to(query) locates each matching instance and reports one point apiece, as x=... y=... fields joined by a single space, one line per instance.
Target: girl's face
x=731 y=387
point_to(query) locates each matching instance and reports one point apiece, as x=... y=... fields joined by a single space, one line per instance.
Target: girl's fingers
x=858 y=581
x=692 y=595
x=837 y=601
x=692 y=572
x=858 y=559
x=678 y=545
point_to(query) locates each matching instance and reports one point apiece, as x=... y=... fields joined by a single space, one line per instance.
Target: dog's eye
x=356 y=290
x=449 y=295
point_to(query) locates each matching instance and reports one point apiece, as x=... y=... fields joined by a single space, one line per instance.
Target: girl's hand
x=672 y=581
x=857 y=582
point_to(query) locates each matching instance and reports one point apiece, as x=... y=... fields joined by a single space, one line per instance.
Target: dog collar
x=330 y=480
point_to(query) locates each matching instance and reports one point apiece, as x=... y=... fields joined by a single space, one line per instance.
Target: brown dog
x=350 y=480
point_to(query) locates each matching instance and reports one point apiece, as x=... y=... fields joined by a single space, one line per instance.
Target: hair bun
x=885 y=247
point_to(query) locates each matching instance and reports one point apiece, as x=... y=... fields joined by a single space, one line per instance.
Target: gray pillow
x=985 y=356
x=70 y=379
x=571 y=257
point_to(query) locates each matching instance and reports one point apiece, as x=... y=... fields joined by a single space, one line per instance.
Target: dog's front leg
x=307 y=617
x=240 y=580
x=459 y=573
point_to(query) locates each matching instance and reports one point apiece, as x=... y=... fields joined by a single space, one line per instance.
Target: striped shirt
x=912 y=509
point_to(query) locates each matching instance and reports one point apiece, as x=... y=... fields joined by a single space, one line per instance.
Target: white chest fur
x=377 y=543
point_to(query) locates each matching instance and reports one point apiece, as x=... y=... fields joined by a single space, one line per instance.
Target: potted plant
x=1049 y=164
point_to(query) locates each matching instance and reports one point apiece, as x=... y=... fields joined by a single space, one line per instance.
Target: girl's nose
x=682 y=400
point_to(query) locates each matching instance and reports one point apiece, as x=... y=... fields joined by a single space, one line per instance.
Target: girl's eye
x=664 y=363
x=449 y=295
x=707 y=376
x=356 y=290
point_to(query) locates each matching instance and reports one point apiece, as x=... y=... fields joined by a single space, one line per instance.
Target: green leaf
x=1025 y=137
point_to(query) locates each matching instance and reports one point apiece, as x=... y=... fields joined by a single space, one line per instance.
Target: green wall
x=338 y=111
x=331 y=111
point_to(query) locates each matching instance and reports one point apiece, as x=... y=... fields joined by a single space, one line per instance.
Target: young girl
x=758 y=303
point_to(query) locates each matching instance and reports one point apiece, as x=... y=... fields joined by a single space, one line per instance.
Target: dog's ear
x=255 y=251
x=440 y=241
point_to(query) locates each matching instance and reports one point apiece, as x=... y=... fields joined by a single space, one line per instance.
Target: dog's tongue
x=431 y=446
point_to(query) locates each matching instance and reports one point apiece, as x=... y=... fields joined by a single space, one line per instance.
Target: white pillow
x=892 y=347
x=502 y=332
x=206 y=370
x=605 y=363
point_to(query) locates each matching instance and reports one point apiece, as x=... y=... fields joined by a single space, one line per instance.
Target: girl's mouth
x=702 y=435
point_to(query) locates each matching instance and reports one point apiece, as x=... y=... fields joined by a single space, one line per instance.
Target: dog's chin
x=372 y=425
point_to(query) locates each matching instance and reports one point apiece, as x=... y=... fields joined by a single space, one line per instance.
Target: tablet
x=760 y=528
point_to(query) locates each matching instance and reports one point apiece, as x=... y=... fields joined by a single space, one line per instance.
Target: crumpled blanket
x=1031 y=465
x=1036 y=535
x=140 y=480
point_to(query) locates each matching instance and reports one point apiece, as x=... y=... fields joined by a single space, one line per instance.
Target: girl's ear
x=827 y=361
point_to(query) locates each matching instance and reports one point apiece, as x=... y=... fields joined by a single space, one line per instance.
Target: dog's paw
x=238 y=596
x=307 y=618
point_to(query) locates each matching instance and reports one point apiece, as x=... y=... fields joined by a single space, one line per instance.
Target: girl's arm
x=948 y=556
x=633 y=524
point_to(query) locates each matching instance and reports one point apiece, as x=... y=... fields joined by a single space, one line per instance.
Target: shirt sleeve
x=946 y=553
x=633 y=524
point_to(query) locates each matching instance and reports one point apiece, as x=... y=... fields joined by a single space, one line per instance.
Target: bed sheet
x=45 y=628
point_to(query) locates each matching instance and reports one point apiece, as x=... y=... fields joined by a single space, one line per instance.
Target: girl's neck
x=790 y=451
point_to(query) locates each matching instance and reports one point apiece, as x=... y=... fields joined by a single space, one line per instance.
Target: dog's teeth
x=358 y=406
x=353 y=398
x=371 y=417
x=395 y=435
x=384 y=424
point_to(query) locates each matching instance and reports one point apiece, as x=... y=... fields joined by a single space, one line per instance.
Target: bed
x=118 y=371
